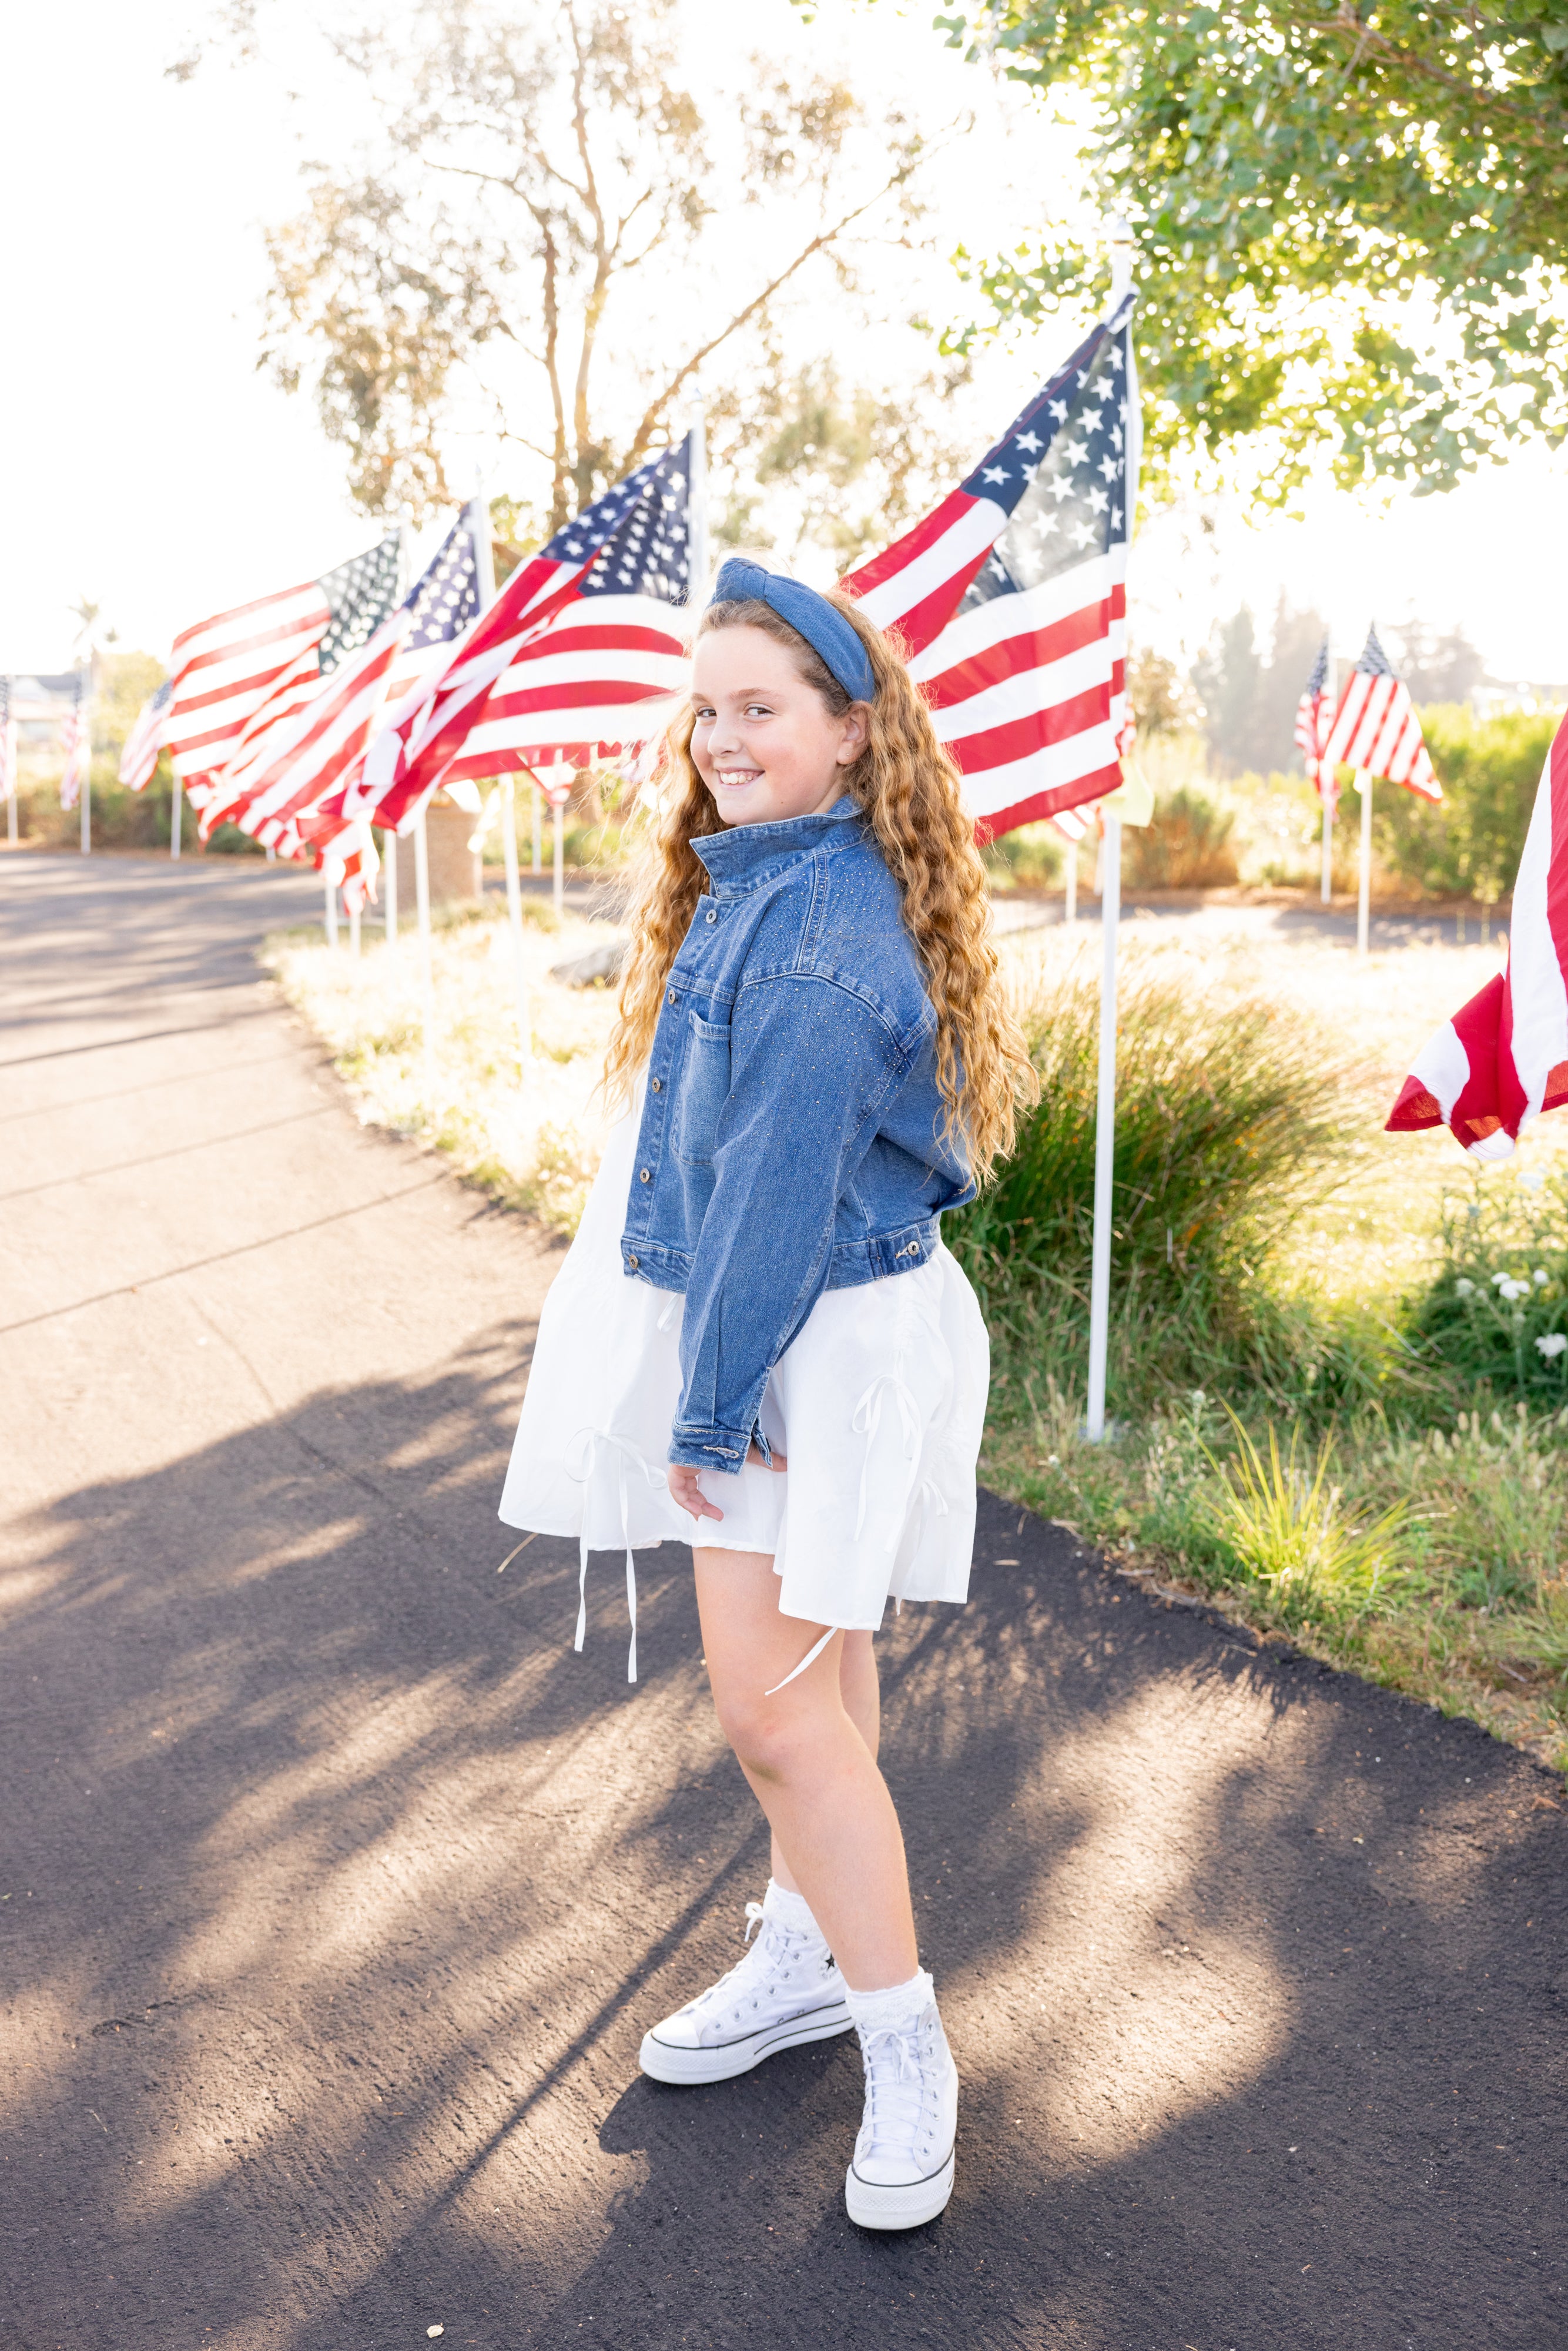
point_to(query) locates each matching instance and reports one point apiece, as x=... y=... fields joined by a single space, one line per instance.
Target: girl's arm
x=811 y=1065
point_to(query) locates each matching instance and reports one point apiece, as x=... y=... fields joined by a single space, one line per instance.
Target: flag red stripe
x=1032 y=649
x=997 y=744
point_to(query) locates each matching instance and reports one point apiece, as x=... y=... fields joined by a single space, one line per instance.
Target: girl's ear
x=852 y=741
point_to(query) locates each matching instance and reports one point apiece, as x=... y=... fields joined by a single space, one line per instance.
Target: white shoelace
x=777 y=1952
x=899 y=2093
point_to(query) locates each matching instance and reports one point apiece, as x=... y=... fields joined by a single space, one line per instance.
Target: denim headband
x=810 y=615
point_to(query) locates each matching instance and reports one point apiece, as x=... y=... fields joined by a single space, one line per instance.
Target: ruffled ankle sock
x=791 y=1910
x=899 y=2009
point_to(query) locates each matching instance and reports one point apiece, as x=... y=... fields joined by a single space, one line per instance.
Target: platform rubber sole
x=689 y=2068
x=873 y=2207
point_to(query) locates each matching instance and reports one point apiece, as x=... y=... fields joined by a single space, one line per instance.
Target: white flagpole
x=485 y=565
x=1325 y=789
x=389 y=868
x=331 y=915
x=1110 y=918
x=1070 y=899
x=558 y=812
x=353 y=930
x=426 y=967
x=515 y=919
x=697 y=512
x=533 y=794
x=1104 y=1128
x=176 y=803
x=1364 y=901
x=84 y=716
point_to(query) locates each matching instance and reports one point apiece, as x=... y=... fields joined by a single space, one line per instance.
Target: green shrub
x=1495 y=1318
x=1186 y=847
x=1030 y=859
x=1468 y=844
x=1227 y=1126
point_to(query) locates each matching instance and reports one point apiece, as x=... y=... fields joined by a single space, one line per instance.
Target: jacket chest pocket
x=704 y=1091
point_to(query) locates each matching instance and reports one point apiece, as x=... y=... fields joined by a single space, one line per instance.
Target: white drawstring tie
x=812 y=1654
x=584 y=1450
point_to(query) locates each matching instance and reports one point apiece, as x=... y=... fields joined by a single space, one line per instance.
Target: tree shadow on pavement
x=340 y=1892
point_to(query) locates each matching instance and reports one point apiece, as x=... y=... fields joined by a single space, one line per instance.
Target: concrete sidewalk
x=337 y=1891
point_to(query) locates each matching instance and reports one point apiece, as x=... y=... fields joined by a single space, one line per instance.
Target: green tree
x=537 y=243
x=1249 y=698
x=1305 y=186
x=1468 y=844
x=124 y=682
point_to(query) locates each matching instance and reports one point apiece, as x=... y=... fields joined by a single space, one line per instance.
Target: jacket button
x=656 y=1085
x=632 y=1263
x=671 y=998
x=644 y=1176
x=713 y=918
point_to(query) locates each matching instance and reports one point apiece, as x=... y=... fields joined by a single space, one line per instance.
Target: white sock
x=899 y=2009
x=791 y=1910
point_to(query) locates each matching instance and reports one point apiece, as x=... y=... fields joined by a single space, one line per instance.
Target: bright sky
x=154 y=470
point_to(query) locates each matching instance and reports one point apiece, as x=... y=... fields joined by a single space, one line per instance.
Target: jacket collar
x=749 y=854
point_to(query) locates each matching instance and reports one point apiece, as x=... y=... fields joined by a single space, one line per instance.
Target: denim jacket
x=790 y=1135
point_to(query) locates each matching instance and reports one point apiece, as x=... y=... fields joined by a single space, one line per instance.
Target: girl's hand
x=684 y=1485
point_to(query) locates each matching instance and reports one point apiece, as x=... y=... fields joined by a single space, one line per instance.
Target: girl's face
x=763 y=743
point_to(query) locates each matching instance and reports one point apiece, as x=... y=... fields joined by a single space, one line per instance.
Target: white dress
x=878 y=1404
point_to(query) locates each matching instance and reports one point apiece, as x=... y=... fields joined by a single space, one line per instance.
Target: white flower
x=1512 y=1290
x=1498 y=1280
x=1552 y=1344
x=1464 y=1289
x=1541 y=1277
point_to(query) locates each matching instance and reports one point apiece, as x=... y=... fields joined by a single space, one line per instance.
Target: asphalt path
x=337 y=1891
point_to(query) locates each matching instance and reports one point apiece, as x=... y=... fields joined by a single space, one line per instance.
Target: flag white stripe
x=663 y=670
x=1049 y=769
x=970 y=536
x=1032 y=691
x=1535 y=975
x=536 y=731
x=1032 y=609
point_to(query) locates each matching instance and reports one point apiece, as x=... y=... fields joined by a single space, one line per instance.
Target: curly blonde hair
x=906 y=783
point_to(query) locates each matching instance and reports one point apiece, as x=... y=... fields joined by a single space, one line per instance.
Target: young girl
x=757 y=1343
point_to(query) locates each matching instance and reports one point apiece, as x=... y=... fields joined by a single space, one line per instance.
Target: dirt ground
x=337 y=1891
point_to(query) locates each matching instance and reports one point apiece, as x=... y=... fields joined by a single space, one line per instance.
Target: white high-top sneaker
x=786 y=1991
x=903 y=2168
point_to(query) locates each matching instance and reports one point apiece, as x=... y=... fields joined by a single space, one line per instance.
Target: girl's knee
x=767 y=1737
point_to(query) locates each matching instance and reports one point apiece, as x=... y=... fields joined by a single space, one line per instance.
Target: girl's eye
x=758 y=710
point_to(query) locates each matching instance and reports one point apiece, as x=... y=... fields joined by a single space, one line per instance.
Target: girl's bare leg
x=862 y=1694
x=810 y=1765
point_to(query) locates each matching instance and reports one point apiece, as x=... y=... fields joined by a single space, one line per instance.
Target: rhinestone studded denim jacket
x=790 y=1135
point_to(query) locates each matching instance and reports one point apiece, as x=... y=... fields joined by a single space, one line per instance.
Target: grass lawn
x=1345 y=1438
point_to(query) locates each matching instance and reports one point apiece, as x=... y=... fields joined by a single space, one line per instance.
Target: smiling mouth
x=733 y=779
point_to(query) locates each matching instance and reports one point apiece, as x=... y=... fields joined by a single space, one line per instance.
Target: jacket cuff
x=724 y=1450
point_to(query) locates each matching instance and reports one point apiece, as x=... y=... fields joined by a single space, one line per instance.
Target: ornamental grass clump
x=1226 y=1130
x=1284 y=1525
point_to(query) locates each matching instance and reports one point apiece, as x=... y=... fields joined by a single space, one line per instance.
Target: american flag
x=1375 y=727
x=1314 y=725
x=1012 y=594
x=292 y=792
x=8 y=742
x=231 y=669
x=139 y=757
x=76 y=742
x=1503 y=1058
x=581 y=637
